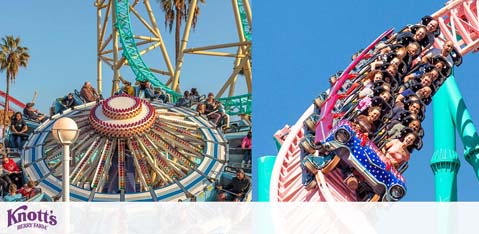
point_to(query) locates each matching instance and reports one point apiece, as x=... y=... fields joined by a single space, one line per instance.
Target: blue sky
x=298 y=46
x=61 y=37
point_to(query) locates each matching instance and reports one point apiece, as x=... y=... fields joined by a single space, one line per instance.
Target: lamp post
x=65 y=131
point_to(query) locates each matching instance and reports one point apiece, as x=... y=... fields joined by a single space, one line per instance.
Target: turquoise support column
x=265 y=168
x=444 y=163
x=463 y=121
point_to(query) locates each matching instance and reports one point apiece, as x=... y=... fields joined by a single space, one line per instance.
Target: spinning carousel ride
x=129 y=149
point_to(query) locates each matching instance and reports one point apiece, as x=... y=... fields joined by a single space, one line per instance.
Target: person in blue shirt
x=185 y=101
x=12 y=195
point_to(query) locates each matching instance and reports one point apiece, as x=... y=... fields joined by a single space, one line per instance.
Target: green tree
x=12 y=57
x=175 y=12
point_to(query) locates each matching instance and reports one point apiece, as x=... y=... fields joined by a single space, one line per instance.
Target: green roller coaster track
x=130 y=51
x=237 y=105
x=244 y=21
x=233 y=105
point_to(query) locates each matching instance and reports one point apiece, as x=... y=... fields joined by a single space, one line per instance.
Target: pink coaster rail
x=459 y=23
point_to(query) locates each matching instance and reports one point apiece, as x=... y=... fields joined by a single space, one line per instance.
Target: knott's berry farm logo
x=22 y=218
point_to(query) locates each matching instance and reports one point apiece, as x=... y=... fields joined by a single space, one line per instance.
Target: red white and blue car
x=348 y=145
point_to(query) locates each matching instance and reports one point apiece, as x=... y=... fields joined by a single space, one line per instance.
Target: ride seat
x=139 y=93
x=77 y=95
x=168 y=98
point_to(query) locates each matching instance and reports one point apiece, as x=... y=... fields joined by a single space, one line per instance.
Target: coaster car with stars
x=348 y=148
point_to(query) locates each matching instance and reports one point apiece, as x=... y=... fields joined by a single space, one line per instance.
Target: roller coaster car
x=318 y=101
x=360 y=154
x=58 y=105
x=447 y=69
x=32 y=125
x=307 y=144
x=77 y=94
x=227 y=177
x=456 y=57
x=311 y=122
x=239 y=126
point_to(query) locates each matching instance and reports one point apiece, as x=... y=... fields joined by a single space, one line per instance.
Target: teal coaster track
x=130 y=51
x=244 y=21
x=237 y=105
x=233 y=105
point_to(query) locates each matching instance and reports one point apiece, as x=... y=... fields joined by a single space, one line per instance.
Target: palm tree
x=175 y=12
x=12 y=57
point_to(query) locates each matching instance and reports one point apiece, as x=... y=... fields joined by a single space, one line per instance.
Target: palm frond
x=13 y=56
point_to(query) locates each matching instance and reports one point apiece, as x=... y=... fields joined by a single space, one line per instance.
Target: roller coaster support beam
x=242 y=16
x=186 y=35
x=459 y=23
x=463 y=121
x=164 y=52
x=265 y=168
x=116 y=73
x=241 y=62
x=444 y=163
x=99 y=33
x=238 y=60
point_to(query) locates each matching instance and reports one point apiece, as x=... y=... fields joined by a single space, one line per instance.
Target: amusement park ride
x=134 y=149
x=322 y=141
